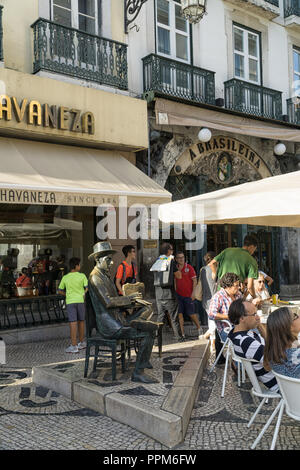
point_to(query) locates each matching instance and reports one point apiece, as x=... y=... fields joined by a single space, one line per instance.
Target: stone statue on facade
x=109 y=308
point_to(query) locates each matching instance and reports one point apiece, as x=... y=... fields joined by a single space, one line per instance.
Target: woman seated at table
x=219 y=306
x=283 y=328
x=261 y=292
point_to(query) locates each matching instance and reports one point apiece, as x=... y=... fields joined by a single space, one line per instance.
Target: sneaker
x=81 y=345
x=72 y=349
x=182 y=338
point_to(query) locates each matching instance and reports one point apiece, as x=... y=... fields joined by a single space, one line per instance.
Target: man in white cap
x=109 y=306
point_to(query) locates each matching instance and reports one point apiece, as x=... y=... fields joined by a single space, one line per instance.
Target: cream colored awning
x=41 y=173
x=273 y=201
x=177 y=114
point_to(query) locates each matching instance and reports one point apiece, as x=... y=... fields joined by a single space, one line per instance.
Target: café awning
x=42 y=173
x=273 y=201
x=172 y=113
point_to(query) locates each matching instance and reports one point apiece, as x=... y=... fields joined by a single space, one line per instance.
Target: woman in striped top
x=248 y=338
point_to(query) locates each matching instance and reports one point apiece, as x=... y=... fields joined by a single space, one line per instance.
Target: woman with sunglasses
x=283 y=328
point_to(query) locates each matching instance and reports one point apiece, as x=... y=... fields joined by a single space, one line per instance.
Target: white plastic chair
x=229 y=354
x=290 y=403
x=257 y=391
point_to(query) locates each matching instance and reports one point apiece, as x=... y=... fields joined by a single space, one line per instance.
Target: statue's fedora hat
x=101 y=249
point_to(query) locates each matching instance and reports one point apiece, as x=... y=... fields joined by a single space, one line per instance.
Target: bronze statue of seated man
x=109 y=307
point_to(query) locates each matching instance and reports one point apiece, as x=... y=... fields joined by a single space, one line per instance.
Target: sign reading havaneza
x=56 y=117
x=26 y=196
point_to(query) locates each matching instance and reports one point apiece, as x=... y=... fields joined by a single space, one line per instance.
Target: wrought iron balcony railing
x=1 y=34
x=177 y=79
x=273 y=2
x=253 y=99
x=291 y=7
x=81 y=55
x=293 y=110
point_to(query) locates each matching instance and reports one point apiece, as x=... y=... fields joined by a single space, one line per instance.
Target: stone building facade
x=246 y=53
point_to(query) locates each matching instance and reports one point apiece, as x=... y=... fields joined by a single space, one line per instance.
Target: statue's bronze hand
x=134 y=296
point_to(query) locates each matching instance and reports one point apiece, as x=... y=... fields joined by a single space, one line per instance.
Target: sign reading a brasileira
x=233 y=146
x=36 y=114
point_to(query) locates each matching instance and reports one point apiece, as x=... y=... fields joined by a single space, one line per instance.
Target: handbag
x=198 y=289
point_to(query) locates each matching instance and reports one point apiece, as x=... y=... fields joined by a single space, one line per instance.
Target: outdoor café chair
x=256 y=390
x=290 y=403
x=229 y=354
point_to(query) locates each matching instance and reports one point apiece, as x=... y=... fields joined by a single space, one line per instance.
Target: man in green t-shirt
x=73 y=286
x=238 y=261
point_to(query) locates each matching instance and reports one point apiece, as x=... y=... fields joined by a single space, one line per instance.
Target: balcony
x=267 y=8
x=80 y=55
x=253 y=99
x=293 y=110
x=291 y=7
x=167 y=77
x=292 y=14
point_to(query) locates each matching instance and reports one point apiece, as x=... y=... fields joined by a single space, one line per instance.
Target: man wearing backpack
x=126 y=272
x=165 y=272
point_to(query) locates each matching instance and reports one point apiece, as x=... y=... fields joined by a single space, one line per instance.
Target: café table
x=269 y=308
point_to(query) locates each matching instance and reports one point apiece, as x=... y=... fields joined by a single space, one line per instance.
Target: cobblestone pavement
x=33 y=417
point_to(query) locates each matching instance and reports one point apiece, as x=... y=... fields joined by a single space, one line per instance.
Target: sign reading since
x=56 y=117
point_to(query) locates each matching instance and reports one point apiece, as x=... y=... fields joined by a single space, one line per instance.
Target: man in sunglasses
x=248 y=338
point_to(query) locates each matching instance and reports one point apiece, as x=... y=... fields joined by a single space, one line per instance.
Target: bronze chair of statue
x=113 y=327
x=101 y=345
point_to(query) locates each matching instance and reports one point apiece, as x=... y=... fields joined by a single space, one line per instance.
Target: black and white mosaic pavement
x=34 y=417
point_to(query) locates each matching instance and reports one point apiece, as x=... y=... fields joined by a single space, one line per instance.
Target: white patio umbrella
x=273 y=201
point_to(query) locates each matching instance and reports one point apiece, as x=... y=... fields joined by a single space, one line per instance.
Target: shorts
x=76 y=312
x=186 y=305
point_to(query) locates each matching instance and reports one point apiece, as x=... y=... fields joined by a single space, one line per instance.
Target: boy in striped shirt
x=248 y=338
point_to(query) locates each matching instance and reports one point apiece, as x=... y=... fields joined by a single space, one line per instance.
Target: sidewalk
x=34 y=417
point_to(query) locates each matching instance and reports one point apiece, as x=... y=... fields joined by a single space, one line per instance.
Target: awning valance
x=177 y=114
x=41 y=173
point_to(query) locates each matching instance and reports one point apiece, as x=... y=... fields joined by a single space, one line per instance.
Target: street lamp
x=279 y=149
x=193 y=10
x=204 y=135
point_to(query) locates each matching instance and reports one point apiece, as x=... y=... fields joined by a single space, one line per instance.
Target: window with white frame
x=79 y=14
x=246 y=50
x=172 y=31
x=296 y=74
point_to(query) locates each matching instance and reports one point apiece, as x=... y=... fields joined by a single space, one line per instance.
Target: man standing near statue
x=165 y=272
x=109 y=307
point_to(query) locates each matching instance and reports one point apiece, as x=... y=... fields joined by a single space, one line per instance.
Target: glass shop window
x=36 y=244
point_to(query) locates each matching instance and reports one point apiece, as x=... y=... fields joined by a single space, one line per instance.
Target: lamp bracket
x=132 y=9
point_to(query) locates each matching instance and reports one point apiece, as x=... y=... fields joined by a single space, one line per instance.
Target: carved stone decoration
x=238 y=170
x=171 y=152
